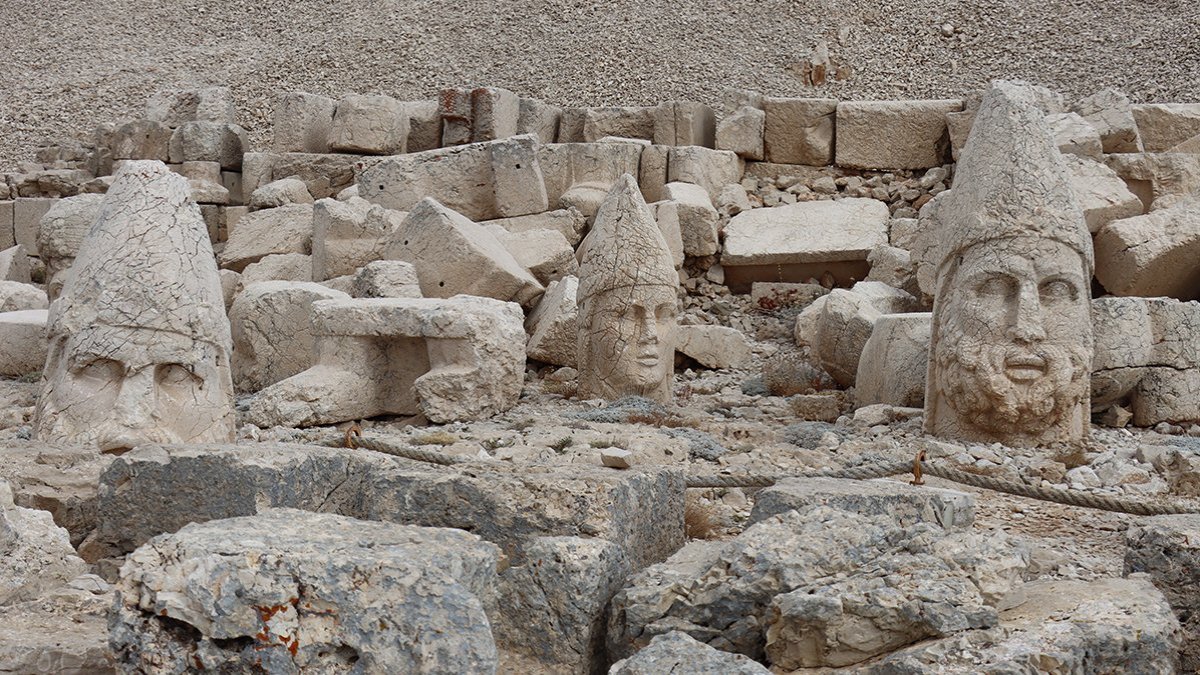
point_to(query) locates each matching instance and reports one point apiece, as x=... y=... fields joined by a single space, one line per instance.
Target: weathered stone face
x=627 y=302
x=139 y=341
x=1014 y=344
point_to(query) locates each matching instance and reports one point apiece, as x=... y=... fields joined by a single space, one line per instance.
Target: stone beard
x=627 y=343
x=1012 y=344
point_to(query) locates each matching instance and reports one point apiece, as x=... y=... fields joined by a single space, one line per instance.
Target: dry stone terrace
x=545 y=322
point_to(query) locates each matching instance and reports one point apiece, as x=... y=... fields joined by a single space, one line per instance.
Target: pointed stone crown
x=625 y=249
x=146 y=262
x=1011 y=181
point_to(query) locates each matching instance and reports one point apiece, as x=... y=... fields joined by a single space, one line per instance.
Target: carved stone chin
x=627 y=302
x=139 y=341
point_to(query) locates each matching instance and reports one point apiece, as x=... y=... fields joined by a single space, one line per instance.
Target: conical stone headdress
x=1011 y=181
x=625 y=248
x=146 y=262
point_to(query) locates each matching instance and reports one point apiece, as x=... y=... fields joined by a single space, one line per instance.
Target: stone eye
x=1057 y=289
x=174 y=375
x=105 y=370
x=998 y=286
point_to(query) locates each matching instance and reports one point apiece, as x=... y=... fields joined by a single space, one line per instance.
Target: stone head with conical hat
x=628 y=299
x=139 y=339
x=1011 y=348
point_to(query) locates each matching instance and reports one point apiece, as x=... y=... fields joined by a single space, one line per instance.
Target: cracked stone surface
x=1152 y=255
x=37 y=554
x=60 y=233
x=1011 y=345
x=139 y=341
x=627 y=302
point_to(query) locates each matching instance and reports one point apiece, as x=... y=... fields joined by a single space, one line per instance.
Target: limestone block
x=836 y=326
x=27 y=217
x=60 y=232
x=456 y=256
x=209 y=142
x=24 y=337
x=570 y=126
x=639 y=510
x=684 y=123
x=545 y=253
x=276 y=267
x=272 y=331
x=722 y=592
x=230 y=285
x=1075 y=136
x=16 y=296
x=206 y=193
x=66 y=632
x=713 y=346
x=369 y=125
x=893 y=134
x=202 y=171
x=448 y=359
x=1165 y=547
x=1109 y=112
x=257 y=170
x=62 y=481
x=386 y=279
x=391 y=598
x=1157 y=176
x=141 y=139
x=894 y=267
x=349 y=234
x=1149 y=255
x=7 y=238
x=494 y=113
x=807 y=232
x=698 y=220
x=626 y=122
x=710 y=169
x=553 y=324
x=554 y=606
x=539 y=119
x=565 y=165
x=14 y=264
x=1101 y=192
x=280 y=192
x=424 y=125
x=677 y=652
x=175 y=108
x=1166 y=395
x=742 y=133
x=37 y=553
x=302 y=122
x=517 y=178
x=666 y=215
x=1162 y=126
x=323 y=175
x=1102 y=626
x=652 y=173
x=454 y=108
x=570 y=222
x=891 y=368
x=285 y=229
x=906 y=504
x=799 y=130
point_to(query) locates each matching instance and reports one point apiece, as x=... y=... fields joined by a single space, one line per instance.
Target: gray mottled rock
x=1105 y=626
x=289 y=590
x=1168 y=549
x=676 y=652
x=37 y=554
x=906 y=504
x=554 y=606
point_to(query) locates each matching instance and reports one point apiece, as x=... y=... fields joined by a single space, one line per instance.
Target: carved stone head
x=139 y=340
x=627 y=302
x=1011 y=350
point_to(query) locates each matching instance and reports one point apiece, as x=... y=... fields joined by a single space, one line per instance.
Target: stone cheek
x=626 y=343
x=1012 y=346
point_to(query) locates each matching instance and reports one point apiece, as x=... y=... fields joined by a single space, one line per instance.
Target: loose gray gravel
x=67 y=65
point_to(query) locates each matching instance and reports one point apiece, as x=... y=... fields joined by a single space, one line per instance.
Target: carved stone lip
x=648 y=357
x=1024 y=367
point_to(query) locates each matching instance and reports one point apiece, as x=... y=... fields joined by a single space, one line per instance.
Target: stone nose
x=134 y=406
x=648 y=328
x=1027 y=326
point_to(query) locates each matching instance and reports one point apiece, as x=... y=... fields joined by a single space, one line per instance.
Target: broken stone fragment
x=677 y=652
x=545 y=253
x=714 y=346
x=538 y=118
x=1166 y=548
x=280 y=192
x=348 y=234
x=1147 y=255
x=710 y=169
x=742 y=133
x=141 y=139
x=37 y=553
x=1109 y=112
x=177 y=107
x=203 y=141
x=369 y=125
x=893 y=134
x=684 y=123
x=906 y=504
x=1075 y=136
x=799 y=130
x=386 y=279
x=698 y=220
x=24 y=337
x=302 y=122
x=16 y=296
x=552 y=325
x=1162 y=126
x=284 y=229
x=14 y=265
x=1102 y=194
x=837 y=326
x=320 y=590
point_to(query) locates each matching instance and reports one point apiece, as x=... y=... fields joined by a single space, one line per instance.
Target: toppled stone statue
x=1012 y=336
x=627 y=302
x=139 y=341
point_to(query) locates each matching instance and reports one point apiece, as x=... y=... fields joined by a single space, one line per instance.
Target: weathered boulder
x=538 y=118
x=713 y=346
x=1152 y=254
x=677 y=652
x=1162 y=126
x=906 y=504
x=286 y=590
x=272 y=331
x=349 y=234
x=285 y=229
x=742 y=133
x=302 y=122
x=552 y=325
x=892 y=365
x=60 y=232
x=1167 y=548
x=1101 y=192
x=386 y=279
x=799 y=130
x=141 y=139
x=456 y=256
x=37 y=553
x=893 y=134
x=280 y=192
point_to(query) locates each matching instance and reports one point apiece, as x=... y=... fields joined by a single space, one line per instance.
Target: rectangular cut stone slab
x=698 y=220
x=1162 y=126
x=907 y=504
x=652 y=174
x=742 y=133
x=156 y=489
x=893 y=134
x=23 y=335
x=424 y=125
x=1151 y=254
x=371 y=125
x=624 y=122
x=569 y=222
x=302 y=122
x=538 y=118
x=565 y=165
x=27 y=218
x=324 y=175
x=799 y=130
x=710 y=169
x=1101 y=192
x=7 y=236
x=684 y=123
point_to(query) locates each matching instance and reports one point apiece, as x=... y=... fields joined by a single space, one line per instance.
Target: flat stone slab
x=907 y=504
x=807 y=232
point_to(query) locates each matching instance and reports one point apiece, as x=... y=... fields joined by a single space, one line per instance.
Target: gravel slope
x=69 y=64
